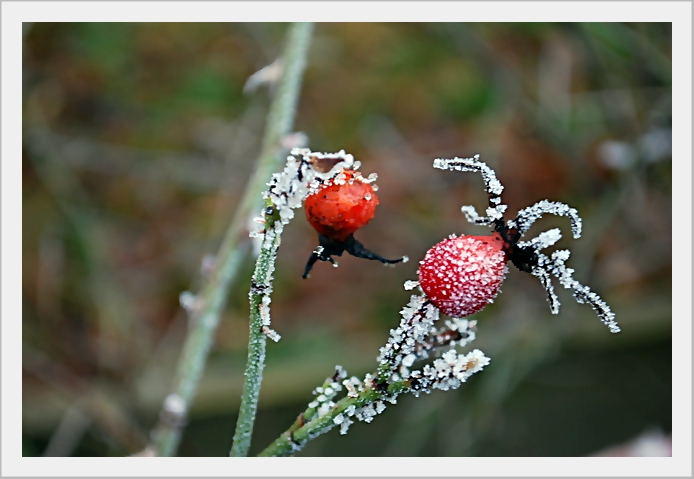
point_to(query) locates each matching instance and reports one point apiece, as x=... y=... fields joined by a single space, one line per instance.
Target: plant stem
x=279 y=124
x=211 y=301
x=293 y=439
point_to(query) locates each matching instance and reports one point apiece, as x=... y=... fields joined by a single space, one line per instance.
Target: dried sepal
x=527 y=216
x=583 y=294
x=492 y=186
x=546 y=281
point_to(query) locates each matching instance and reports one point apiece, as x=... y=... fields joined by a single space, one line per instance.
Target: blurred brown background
x=138 y=141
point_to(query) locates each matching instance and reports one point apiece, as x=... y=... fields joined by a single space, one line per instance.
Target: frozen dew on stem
x=188 y=301
x=302 y=175
x=175 y=405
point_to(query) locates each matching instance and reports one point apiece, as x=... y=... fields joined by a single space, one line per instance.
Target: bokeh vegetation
x=138 y=141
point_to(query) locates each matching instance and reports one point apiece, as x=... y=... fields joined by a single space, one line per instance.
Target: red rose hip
x=341 y=207
x=461 y=275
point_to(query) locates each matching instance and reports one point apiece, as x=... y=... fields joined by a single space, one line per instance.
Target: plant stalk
x=204 y=317
x=280 y=121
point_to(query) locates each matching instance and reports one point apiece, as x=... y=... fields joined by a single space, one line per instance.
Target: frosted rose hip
x=449 y=273
x=338 y=210
x=461 y=275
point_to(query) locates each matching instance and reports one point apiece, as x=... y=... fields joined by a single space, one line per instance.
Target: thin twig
x=294 y=438
x=210 y=303
x=279 y=124
x=70 y=431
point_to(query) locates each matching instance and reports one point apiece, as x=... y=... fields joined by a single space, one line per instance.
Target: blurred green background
x=138 y=141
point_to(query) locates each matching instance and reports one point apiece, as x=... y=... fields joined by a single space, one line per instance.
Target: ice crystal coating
x=492 y=185
x=452 y=369
x=342 y=205
x=345 y=425
x=351 y=390
x=462 y=275
x=304 y=173
x=174 y=405
x=271 y=334
x=543 y=240
x=417 y=321
x=527 y=216
x=413 y=340
x=583 y=294
x=526 y=255
x=188 y=301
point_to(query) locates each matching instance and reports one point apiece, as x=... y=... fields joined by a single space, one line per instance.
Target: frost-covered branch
x=303 y=174
x=414 y=339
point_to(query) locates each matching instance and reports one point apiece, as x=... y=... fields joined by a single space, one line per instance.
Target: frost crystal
x=417 y=320
x=527 y=216
x=583 y=294
x=271 y=333
x=351 y=390
x=344 y=427
x=187 y=301
x=543 y=240
x=175 y=405
x=452 y=369
x=493 y=186
x=408 y=360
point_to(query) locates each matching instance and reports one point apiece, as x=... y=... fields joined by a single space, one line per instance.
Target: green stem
x=294 y=439
x=211 y=301
x=280 y=121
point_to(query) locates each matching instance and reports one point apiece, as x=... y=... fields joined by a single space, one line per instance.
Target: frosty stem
x=280 y=121
x=299 y=434
x=210 y=302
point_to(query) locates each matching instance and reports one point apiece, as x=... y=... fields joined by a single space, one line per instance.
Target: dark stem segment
x=331 y=247
x=525 y=259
